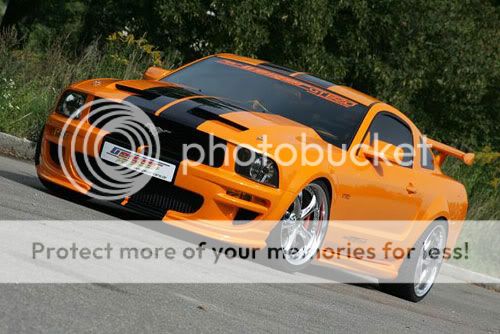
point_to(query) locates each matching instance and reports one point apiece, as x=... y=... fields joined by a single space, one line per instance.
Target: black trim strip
x=314 y=80
x=209 y=116
x=143 y=93
x=276 y=68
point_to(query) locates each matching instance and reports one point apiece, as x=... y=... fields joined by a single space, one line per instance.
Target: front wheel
x=418 y=273
x=303 y=227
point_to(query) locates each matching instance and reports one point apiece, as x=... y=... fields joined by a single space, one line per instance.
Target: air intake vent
x=158 y=196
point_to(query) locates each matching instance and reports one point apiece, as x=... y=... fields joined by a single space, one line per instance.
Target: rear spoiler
x=445 y=150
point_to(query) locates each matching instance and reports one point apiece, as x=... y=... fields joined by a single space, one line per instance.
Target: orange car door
x=376 y=197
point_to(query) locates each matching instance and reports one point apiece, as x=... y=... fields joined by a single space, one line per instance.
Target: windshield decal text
x=324 y=94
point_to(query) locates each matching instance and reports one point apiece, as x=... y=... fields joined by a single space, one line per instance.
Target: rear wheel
x=303 y=228
x=418 y=274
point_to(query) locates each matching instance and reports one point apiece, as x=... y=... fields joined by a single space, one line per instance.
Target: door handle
x=411 y=189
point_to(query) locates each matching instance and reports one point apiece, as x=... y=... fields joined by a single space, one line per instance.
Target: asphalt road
x=122 y=308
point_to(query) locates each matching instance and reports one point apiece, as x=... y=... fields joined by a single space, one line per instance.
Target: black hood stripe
x=174 y=102
x=197 y=111
x=192 y=111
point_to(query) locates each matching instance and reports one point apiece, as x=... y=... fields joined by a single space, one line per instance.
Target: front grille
x=172 y=138
x=154 y=199
x=158 y=196
x=90 y=171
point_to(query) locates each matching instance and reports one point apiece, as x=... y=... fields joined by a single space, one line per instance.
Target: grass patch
x=32 y=79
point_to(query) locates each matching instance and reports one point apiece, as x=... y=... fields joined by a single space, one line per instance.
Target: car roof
x=344 y=91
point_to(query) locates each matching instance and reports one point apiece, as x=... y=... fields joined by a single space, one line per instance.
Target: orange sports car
x=251 y=153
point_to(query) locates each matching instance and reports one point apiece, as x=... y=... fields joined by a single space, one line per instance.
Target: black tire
x=277 y=258
x=401 y=287
x=38 y=147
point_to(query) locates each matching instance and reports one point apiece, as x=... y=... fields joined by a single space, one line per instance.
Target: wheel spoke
x=427 y=244
x=290 y=240
x=428 y=267
x=418 y=271
x=305 y=234
x=309 y=208
x=423 y=276
x=289 y=223
x=302 y=227
x=297 y=205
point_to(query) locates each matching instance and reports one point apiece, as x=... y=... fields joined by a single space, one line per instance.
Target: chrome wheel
x=304 y=225
x=427 y=267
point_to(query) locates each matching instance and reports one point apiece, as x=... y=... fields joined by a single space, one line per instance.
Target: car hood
x=173 y=103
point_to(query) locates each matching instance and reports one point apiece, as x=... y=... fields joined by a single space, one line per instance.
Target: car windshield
x=257 y=88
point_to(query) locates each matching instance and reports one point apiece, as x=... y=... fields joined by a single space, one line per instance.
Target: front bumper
x=224 y=192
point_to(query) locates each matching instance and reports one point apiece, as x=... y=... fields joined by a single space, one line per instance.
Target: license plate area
x=138 y=162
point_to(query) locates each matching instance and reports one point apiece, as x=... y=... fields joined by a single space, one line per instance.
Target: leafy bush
x=481 y=181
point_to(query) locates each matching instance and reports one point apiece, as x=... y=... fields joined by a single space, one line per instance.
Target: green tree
x=19 y=12
x=436 y=60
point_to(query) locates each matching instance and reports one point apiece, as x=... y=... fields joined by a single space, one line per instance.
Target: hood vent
x=142 y=93
x=210 y=116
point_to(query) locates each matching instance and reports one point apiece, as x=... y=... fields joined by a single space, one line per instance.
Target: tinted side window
x=426 y=157
x=393 y=131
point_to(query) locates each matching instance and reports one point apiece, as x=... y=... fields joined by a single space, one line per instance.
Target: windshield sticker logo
x=324 y=94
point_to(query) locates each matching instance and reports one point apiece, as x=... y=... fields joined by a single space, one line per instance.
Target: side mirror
x=386 y=151
x=155 y=73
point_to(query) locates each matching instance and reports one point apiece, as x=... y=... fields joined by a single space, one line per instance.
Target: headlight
x=70 y=103
x=257 y=167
